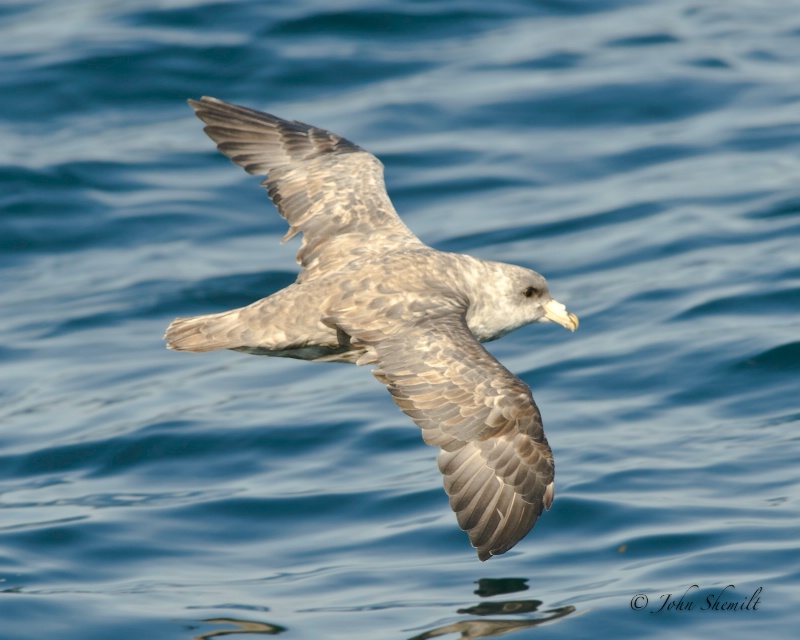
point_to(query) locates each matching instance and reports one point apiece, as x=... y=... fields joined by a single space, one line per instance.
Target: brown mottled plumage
x=370 y=292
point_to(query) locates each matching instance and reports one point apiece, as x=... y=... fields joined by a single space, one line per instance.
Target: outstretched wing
x=498 y=468
x=326 y=187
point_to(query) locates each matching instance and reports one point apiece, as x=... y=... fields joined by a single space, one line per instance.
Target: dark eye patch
x=530 y=292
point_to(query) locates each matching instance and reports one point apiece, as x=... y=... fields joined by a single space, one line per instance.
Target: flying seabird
x=370 y=292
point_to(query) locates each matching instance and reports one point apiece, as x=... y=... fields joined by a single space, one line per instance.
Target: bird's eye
x=530 y=292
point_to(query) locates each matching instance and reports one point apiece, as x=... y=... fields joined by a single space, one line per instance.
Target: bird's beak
x=556 y=312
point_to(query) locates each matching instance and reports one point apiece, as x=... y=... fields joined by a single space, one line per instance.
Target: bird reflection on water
x=472 y=628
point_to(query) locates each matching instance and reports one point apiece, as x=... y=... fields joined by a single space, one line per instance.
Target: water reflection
x=486 y=619
x=492 y=628
x=483 y=628
x=488 y=587
x=241 y=627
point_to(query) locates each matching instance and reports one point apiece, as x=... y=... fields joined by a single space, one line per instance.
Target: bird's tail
x=205 y=333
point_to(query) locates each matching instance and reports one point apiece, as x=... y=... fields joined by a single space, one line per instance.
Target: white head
x=516 y=297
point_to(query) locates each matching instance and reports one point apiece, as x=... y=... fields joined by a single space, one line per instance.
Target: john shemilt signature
x=725 y=600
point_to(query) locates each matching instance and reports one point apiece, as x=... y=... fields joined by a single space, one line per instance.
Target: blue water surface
x=644 y=156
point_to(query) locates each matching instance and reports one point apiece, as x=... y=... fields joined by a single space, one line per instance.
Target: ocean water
x=644 y=156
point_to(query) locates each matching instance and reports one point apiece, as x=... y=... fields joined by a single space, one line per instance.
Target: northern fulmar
x=370 y=292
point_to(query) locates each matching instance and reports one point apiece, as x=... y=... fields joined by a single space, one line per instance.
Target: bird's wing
x=326 y=187
x=498 y=468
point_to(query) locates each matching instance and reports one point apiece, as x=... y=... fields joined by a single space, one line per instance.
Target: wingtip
x=486 y=552
x=203 y=101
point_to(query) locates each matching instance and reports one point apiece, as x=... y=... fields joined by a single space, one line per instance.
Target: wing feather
x=326 y=187
x=497 y=466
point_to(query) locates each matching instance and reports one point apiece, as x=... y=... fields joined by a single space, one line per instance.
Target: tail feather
x=204 y=333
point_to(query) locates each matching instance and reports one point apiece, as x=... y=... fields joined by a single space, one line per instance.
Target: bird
x=370 y=292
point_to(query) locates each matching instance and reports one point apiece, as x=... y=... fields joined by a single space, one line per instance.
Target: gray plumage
x=370 y=292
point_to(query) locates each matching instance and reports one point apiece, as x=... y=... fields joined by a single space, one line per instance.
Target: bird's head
x=518 y=297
